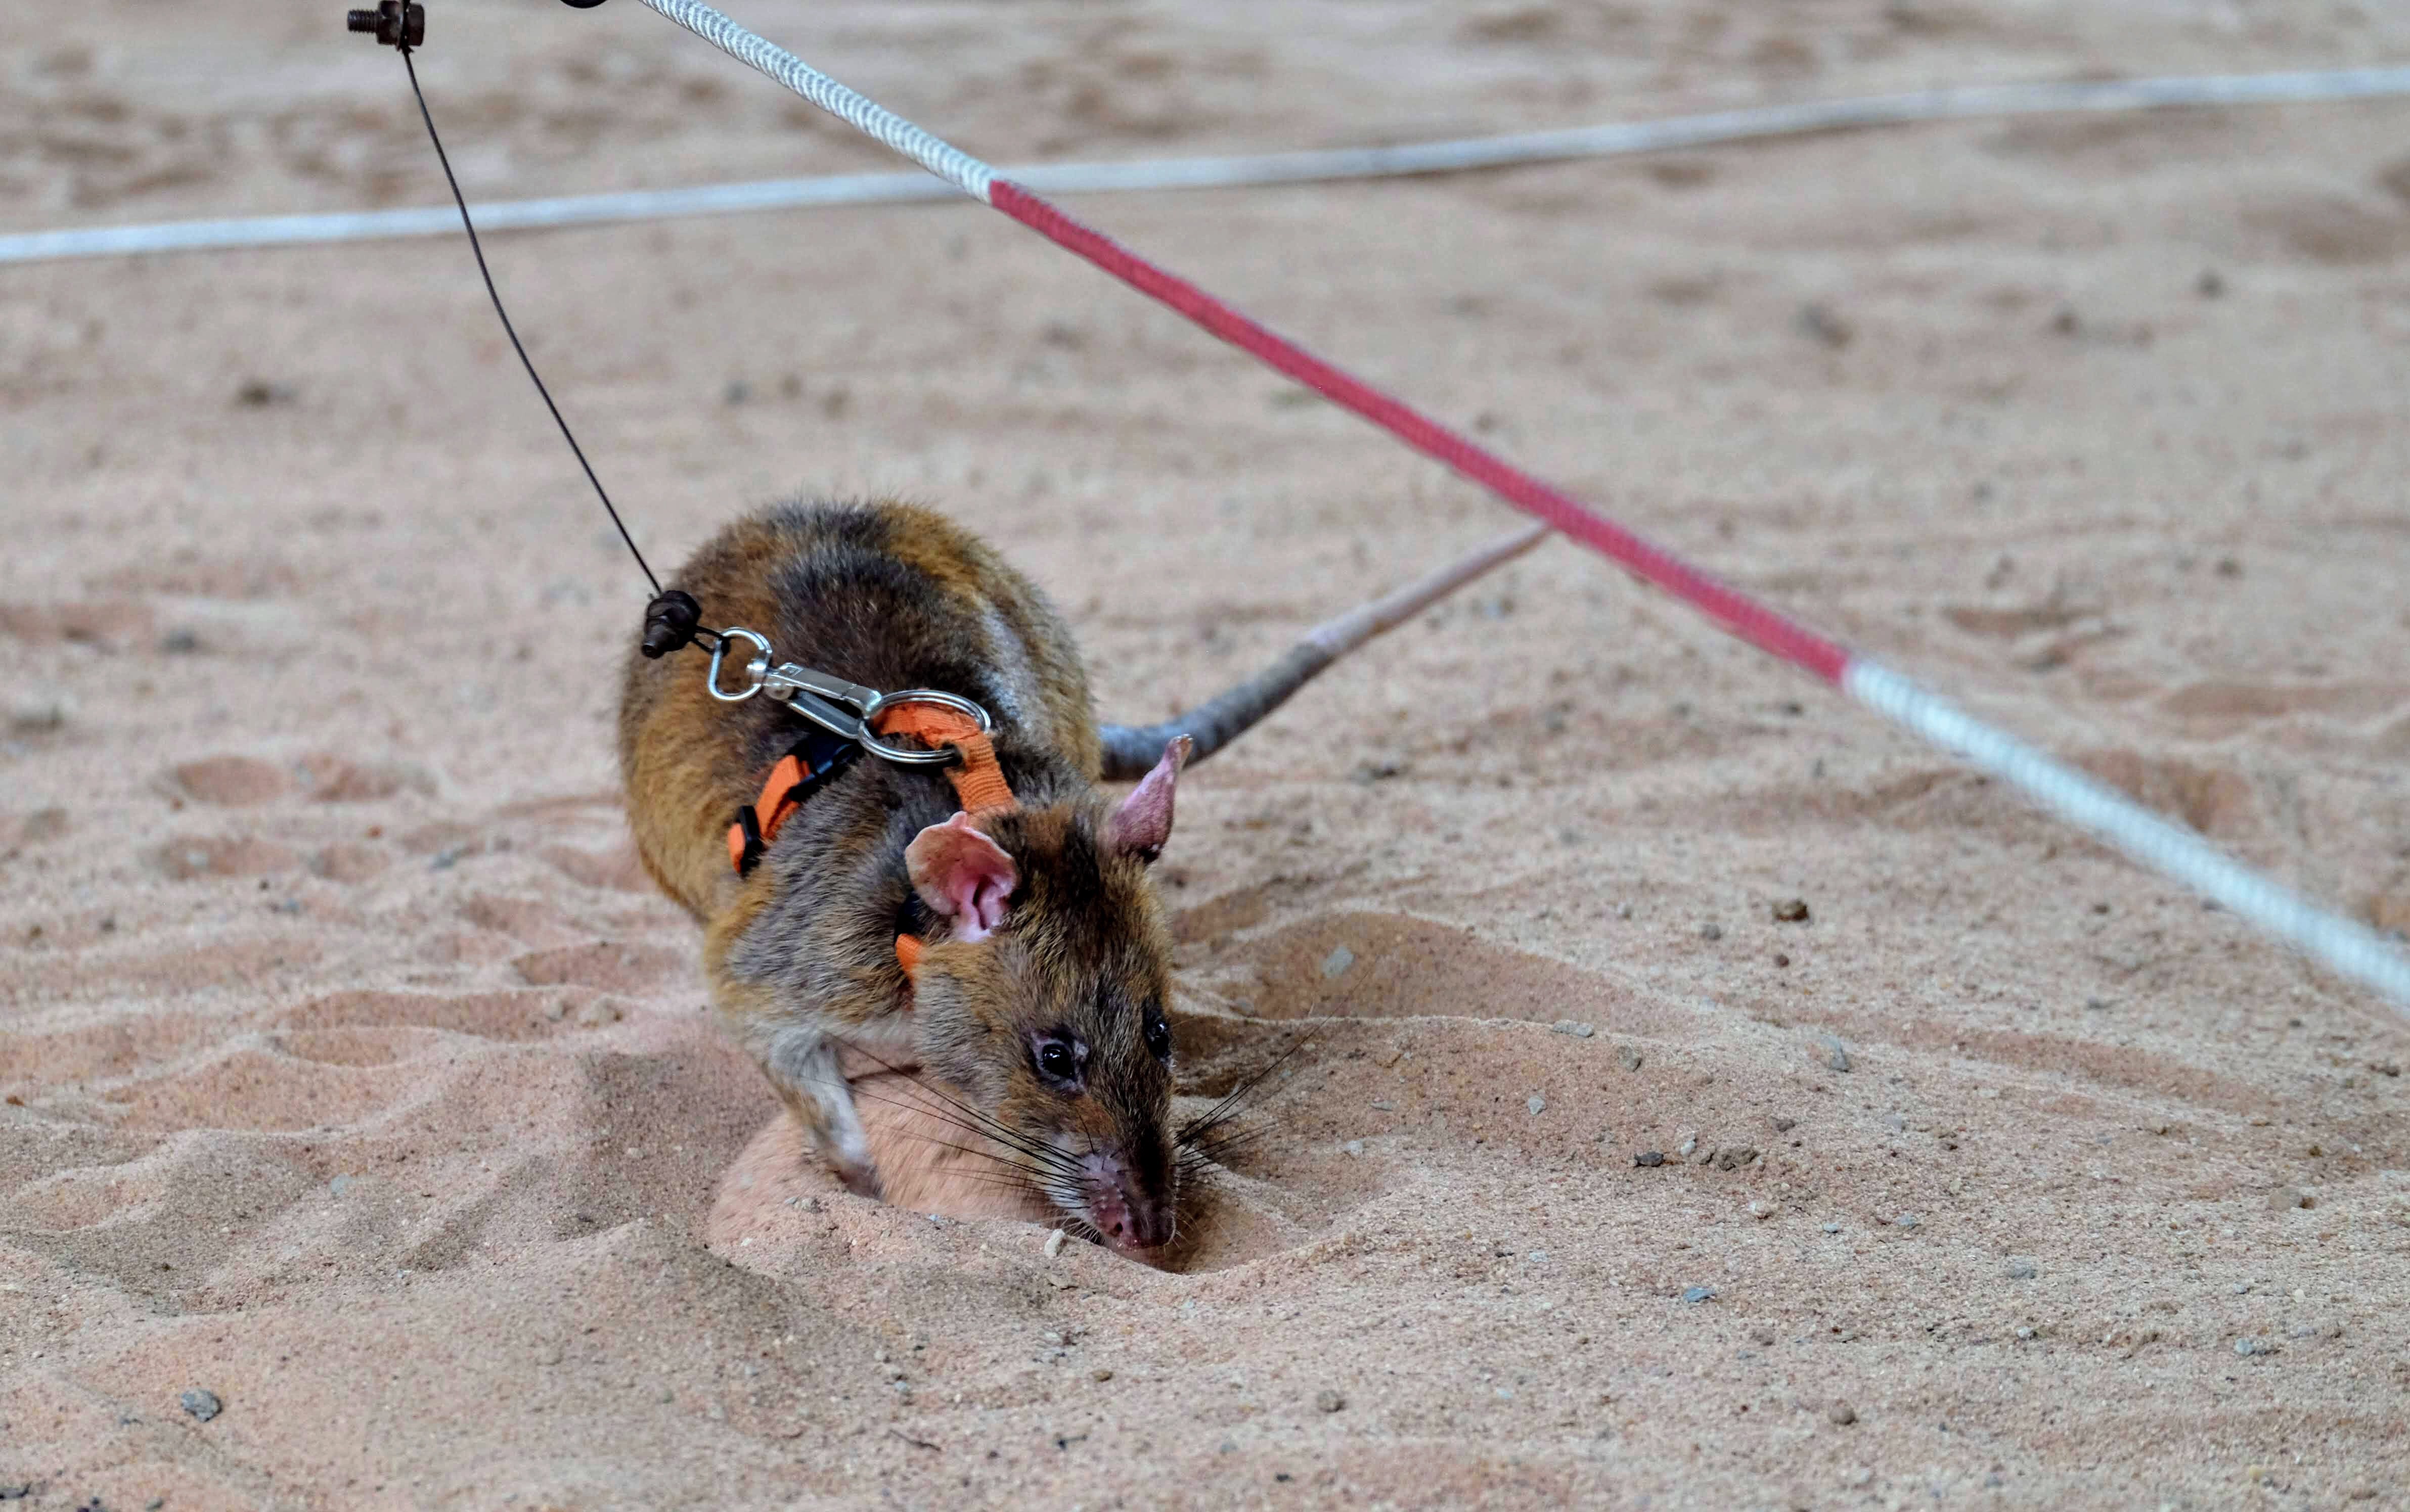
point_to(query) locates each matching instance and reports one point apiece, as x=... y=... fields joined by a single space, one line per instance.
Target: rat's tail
x=1131 y=750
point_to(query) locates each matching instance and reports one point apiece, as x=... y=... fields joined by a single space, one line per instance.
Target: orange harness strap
x=978 y=780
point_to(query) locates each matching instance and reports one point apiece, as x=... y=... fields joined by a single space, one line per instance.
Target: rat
x=1014 y=950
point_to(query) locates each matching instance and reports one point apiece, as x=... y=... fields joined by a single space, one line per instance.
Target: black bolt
x=670 y=623
x=393 y=22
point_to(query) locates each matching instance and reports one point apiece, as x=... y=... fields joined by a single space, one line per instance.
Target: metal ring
x=872 y=744
x=758 y=669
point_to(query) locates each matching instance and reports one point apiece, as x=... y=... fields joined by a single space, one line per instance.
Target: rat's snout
x=1130 y=1212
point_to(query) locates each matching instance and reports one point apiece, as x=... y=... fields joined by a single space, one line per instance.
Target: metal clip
x=815 y=696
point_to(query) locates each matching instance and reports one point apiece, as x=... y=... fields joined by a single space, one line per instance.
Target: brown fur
x=800 y=954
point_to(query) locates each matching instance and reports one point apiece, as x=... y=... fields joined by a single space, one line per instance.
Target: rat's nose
x=1131 y=1217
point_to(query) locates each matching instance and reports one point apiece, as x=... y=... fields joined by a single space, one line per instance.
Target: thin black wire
x=495 y=295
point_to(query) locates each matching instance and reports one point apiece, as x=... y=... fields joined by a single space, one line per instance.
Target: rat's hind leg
x=801 y=1060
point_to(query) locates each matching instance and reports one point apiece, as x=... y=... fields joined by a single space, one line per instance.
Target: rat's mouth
x=1127 y=1217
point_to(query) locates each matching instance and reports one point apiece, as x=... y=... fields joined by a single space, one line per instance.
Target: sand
x=355 y=1075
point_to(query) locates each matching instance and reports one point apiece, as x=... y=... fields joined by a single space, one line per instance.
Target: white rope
x=2349 y=948
x=1617 y=138
x=957 y=167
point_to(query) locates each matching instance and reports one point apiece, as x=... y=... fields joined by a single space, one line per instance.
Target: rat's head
x=1042 y=996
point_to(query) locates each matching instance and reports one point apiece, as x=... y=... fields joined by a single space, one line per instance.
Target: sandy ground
x=353 y=1074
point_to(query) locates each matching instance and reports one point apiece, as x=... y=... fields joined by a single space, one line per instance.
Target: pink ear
x=961 y=873
x=1143 y=824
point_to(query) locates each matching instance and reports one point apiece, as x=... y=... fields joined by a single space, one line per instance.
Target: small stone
x=1784 y=1126
x=1839 y=1059
x=1711 y=931
x=1355 y=1148
x=2021 y=1269
x=1381 y=1105
x=2286 y=1197
x=1329 y=1401
x=36 y=711
x=1696 y=1295
x=1832 y=1228
x=202 y=1404
x=1650 y=1157
x=1906 y=1220
x=1791 y=911
x=340 y=1184
x=2247 y=1347
x=1626 y=1056
x=1733 y=1157
x=1623 y=911
x=1780 y=959
x=1841 y=1414
x=1100 y=1375
x=1689 y=1147
x=1760 y=1211
x=1337 y=962
x=1054 y=1243
x=1537 y=1103
x=1579 y=1030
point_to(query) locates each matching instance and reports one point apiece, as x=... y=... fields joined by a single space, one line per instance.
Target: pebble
x=1626 y=1056
x=1579 y=1030
x=2286 y=1197
x=2247 y=1347
x=1537 y=1103
x=1690 y=1147
x=1906 y=1220
x=1328 y=1401
x=1791 y=911
x=1784 y=1126
x=1760 y=1211
x=1100 y=1375
x=202 y=1402
x=1832 y=1228
x=1355 y=1148
x=1841 y=1414
x=1762 y=1337
x=1650 y=1157
x=1623 y=911
x=34 y=711
x=1711 y=931
x=1379 y=1106
x=1839 y=1059
x=1337 y=961
x=2021 y=1269
x=1054 y=1243
x=1698 y=1294
x=1733 y=1158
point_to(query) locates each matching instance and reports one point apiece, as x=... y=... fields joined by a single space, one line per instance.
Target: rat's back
x=886 y=595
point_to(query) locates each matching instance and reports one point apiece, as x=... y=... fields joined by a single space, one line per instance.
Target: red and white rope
x=2347 y=947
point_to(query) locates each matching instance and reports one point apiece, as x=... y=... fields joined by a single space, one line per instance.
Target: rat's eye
x=1058 y=1061
x=1158 y=1038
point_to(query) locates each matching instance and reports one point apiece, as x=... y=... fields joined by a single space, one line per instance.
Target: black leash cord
x=495 y=295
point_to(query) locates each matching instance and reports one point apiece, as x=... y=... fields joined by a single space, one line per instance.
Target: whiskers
x=1003 y=1158
x=1211 y=1138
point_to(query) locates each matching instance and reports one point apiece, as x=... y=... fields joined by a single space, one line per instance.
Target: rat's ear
x=961 y=873
x=1143 y=824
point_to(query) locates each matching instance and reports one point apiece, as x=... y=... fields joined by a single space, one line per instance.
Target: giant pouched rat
x=1039 y=971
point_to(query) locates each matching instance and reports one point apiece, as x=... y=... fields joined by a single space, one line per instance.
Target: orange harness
x=979 y=782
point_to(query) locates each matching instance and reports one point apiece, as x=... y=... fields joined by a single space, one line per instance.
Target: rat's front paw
x=859 y=1178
